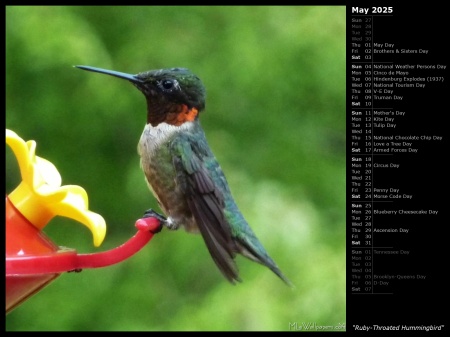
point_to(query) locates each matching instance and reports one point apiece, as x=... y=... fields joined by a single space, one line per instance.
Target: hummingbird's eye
x=168 y=85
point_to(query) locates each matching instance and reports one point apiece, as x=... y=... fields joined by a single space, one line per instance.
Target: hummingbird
x=183 y=173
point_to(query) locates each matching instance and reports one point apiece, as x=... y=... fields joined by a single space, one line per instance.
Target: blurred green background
x=275 y=119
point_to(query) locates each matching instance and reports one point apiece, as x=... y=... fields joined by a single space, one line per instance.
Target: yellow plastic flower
x=40 y=196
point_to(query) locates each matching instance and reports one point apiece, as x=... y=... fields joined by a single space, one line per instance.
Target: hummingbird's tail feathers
x=278 y=272
x=254 y=250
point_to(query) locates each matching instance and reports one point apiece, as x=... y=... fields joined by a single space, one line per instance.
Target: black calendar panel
x=397 y=173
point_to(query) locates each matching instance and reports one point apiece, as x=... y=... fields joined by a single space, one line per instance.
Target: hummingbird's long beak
x=129 y=77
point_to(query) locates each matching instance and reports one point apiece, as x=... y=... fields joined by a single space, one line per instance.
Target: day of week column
x=360 y=125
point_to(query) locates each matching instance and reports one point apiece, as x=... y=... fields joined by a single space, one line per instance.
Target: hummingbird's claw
x=167 y=222
x=150 y=213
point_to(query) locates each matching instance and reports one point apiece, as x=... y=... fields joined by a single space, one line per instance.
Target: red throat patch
x=182 y=115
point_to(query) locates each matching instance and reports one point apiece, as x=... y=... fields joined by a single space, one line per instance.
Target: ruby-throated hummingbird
x=183 y=173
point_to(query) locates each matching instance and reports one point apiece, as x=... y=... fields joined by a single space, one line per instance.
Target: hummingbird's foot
x=167 y=222
x=152 y=214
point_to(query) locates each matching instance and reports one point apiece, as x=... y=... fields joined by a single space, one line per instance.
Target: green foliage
x=275 y=118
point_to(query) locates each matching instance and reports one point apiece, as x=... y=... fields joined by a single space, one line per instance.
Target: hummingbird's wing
x=195 y=166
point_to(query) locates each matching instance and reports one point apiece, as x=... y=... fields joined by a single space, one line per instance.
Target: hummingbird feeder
x=33 y=260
